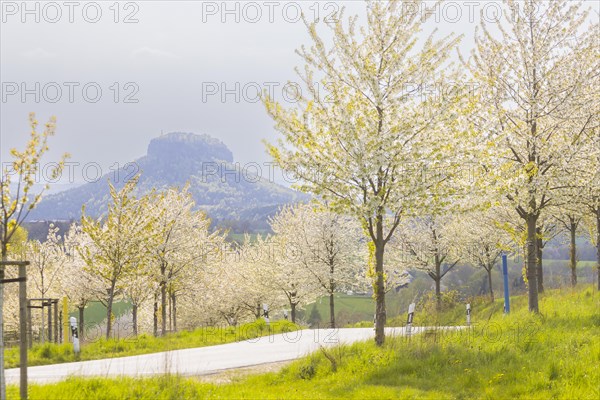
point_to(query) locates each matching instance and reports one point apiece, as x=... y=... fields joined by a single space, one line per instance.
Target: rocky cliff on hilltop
x=226 y=191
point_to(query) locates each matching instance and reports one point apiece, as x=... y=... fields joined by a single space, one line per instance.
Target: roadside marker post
x=409 y=319
x=266 y=313
x=505 y=275
x=468 y=314
x=75 y=334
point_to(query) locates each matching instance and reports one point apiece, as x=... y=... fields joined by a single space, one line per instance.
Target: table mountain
x=231 y=193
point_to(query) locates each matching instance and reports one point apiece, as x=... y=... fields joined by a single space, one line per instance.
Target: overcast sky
x=168 y=58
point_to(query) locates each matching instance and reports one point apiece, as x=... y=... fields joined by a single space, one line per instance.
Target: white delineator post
x=409 y=319
x=468 y=314
x=266 y=313
x=74 y=334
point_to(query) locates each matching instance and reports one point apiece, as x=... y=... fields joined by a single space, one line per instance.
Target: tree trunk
x=163 y=301
x=81 y=323
x=573 y=250
x=331 y=301
x=2 y=379
x=257 y=314
x=42 y=330
x=174 y=305
x=539 y=260
x=49 y=322
x=109 y=304
x=293 y=311
x=532 y=214
x=170 y=305
x=56 y=323
x=134 y=318
x=331 y=311
x=230 y=318
x=598 y=244
x=531 y=262
x=438 y=284
x=29 y=326
x=379 y=287
x=155 y=316
x=489 y=274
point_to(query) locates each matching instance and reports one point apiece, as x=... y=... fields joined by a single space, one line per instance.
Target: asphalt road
x=206 y=360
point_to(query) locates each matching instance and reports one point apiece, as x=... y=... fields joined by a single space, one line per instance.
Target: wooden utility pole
x=65 y=320
x=23 y=328
x=22 y=280
x=29 y=325
x=49 y=304
x=56 y=339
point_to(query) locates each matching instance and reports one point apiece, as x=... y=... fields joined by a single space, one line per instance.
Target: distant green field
x=558 y=272
x=348 y=309
x=553 y=263
x=239 y=237
x=565 y=264
x=95 y=312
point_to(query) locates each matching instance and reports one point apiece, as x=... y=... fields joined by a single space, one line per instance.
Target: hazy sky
x=169 y=58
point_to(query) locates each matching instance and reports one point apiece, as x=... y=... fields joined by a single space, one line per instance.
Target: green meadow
x=552 y=355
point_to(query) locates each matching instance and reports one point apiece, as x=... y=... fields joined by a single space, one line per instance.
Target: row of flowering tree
x=158 y=252
x=528 y=124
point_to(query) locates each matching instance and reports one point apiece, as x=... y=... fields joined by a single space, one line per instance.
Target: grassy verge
x=144 y=344
x=551 y=355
